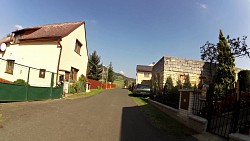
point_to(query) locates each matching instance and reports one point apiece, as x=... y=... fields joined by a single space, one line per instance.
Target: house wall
x=178 y=67
x=41 y=55
x=158 y=71
x=140 y=77
x=69 y=57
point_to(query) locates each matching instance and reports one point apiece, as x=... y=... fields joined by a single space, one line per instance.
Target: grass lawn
x=91 y=93
x=162 y=121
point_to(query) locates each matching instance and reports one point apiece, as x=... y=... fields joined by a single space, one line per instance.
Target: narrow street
x=108 y=116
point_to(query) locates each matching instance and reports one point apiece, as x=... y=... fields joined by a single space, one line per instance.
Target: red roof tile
x=5 y=40
x=58 y=30
x=4 y=81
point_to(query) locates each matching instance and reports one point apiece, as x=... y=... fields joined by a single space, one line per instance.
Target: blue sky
x=132 y=32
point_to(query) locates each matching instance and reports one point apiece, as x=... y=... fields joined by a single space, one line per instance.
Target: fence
x=228 y=113
x=13 y=92
x=97 y=84
x=24 y=83
x=12 y=71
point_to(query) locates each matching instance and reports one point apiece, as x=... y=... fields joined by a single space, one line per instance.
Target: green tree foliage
x=111 y=76
x=225 y=76
x=179 y=84
x=78 y=86
x=168 y=85
x=187 y=83
x=237 y=46
x=126 y=83
x=20 y=82
x=94 y=67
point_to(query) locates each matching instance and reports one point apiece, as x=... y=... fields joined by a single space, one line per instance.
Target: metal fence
x=13 y=71
x=27 y=83
x=228 y=113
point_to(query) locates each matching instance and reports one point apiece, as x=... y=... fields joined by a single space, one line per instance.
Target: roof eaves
x=42 y=38
x=66 y=34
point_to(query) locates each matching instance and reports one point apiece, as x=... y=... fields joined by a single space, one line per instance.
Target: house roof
x=4 y=81
x=5 y=40
x=144 y=68
x=57 y=31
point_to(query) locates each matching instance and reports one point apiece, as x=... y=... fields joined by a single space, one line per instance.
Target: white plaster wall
x=69 y=57
x=41 y=55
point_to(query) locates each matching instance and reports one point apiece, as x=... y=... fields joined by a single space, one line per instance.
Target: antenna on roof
x=3 y=47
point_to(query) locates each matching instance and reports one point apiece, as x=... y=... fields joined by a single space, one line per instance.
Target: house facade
x=180 y=68
x=143 y=74
x=37 y=52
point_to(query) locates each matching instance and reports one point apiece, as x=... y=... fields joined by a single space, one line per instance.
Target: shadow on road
x=135 y=127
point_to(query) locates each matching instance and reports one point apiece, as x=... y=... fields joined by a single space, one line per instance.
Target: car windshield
x=143 y=86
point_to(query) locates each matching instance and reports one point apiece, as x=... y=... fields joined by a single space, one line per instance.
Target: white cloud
x=204 y=6
x=18 y=27
x=121 y=72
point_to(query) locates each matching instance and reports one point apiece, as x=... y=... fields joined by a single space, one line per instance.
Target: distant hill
x=120 y=78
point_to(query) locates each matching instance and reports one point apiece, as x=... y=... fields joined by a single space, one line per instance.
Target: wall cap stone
x=197 y=118
x=165 y=106
x=239 y=137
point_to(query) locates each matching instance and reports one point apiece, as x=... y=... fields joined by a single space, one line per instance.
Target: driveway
x=109 y=116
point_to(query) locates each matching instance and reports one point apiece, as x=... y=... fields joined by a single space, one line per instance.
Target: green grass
x=85 y=94
x=161 y=121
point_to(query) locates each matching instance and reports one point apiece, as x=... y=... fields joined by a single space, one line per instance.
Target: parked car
x=142 y=90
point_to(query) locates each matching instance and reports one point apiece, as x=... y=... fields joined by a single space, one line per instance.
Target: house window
x=67 y=76
x=10 y=66
x=146 y=74
x=61 y=78
x=78 y=47
x=17 y=39
x=42 y=73
x=73 y=74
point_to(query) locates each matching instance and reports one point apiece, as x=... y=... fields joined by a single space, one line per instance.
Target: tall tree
x=209 y=51
x=187 y=83
x=168 y=85
x=111 y=76
x=94 y=67
x=209 y=54
x=225 y=75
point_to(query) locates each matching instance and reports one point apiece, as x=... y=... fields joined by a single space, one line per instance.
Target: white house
x=60 y=48
x=143 y=74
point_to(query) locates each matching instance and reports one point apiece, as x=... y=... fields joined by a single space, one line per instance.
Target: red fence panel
x=97 y=84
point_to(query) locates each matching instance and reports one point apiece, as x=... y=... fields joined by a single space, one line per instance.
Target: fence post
x=209 y=98
x=27 y=86
x=51 y=84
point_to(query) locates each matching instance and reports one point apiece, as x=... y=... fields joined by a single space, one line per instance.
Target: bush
x=78 y=86
x=20 y=82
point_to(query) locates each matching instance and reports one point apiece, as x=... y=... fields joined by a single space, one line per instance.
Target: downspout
x=59 y=59
x=86 y=48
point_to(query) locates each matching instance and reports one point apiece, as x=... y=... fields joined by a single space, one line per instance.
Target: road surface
x=109 y=116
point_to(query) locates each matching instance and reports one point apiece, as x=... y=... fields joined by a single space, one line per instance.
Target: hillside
x=119 y=81
x=120 y=78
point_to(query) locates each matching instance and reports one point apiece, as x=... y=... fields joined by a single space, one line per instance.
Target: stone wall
x=179 y=68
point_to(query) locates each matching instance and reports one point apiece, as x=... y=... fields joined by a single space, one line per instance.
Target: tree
x=225 y=76
x=94 y=67
x=111 y=77
x=168 y=85
x=209 y=51
x=209 y=54
x=178 y=84
x=187 y=83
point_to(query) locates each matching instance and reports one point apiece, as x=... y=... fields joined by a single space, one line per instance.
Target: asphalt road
x=108 y=116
